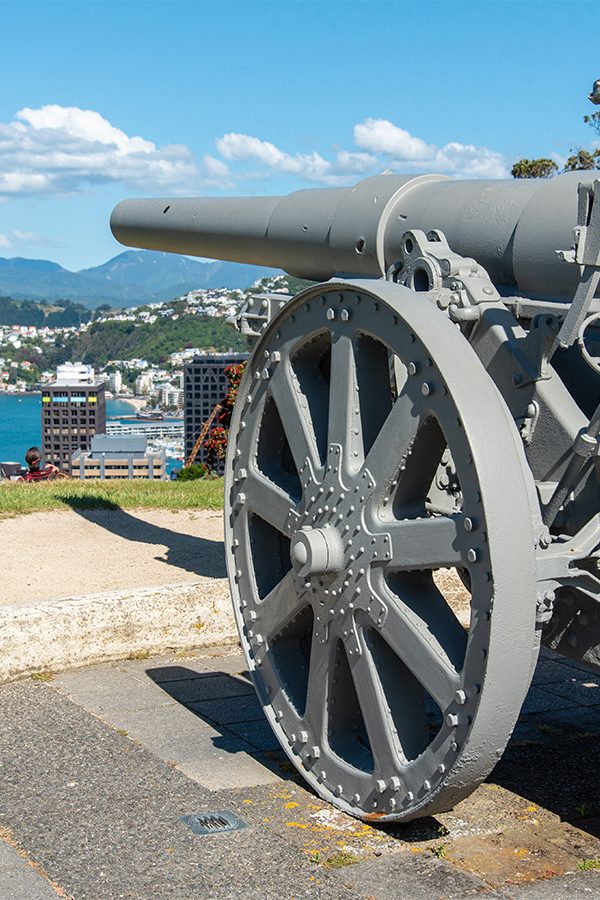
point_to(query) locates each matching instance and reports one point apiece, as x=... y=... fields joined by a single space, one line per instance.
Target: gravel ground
x=89 y=551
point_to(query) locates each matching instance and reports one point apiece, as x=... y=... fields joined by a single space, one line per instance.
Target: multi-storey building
x=74 y=373
x=71 y=415
x=115 y=382
x=205 y=384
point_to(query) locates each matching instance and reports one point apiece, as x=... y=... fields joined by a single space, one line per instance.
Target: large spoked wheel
x=369 y=448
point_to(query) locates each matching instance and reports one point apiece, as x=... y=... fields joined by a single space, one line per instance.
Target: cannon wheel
x=355 y=400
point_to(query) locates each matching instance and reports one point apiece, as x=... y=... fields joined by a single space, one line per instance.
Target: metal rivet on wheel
x=315 y=752
x=410 y=796
x=460 y=697
x=468 y=524
x=338 y=790
x=330 y=314
x=472 y=555
x=426 y=785
x=412 y=368
x=356 y=798
x=345 y=315
x=451 y=720
x=426 y=389
x=395 y=783
x=380 y=785
x=441 y=768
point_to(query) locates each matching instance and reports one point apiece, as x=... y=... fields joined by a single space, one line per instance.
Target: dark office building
x=205 y=384
x=71 y=415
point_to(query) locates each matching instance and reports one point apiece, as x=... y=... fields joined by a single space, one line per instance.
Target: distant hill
x=129 y=279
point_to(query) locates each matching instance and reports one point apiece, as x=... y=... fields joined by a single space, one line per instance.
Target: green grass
x=586 y=864
x=17 y=499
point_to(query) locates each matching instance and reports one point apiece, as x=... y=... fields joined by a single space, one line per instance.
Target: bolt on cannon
x=433 y=403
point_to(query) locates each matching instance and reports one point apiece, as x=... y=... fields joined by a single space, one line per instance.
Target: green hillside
x=60 y=314
x=125 y=340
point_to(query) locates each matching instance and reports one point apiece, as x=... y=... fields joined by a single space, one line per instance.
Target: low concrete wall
x=114 y=625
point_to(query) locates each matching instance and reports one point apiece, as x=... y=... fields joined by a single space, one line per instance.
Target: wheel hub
x=333 y=550
x=317 y=551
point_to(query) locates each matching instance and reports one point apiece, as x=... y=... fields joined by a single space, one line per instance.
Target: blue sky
x=106 y=100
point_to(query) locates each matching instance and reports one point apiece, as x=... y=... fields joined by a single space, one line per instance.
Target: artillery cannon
x=433 y=405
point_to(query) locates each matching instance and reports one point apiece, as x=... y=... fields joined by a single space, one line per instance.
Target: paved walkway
x=100 y=764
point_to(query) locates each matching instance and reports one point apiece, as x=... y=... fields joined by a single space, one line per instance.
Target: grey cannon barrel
x=513 y=228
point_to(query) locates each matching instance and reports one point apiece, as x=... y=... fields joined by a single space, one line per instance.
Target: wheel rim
x=351 y=411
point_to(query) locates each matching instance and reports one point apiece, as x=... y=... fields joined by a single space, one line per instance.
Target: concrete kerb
x=94 y=628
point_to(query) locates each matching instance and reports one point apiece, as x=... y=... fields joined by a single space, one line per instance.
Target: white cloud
x=29 y=236
x=218 y=170
x=381 y=136
x=381 y=145
x=58 y=149
x=405 y=151
x=5 y=242
x=309 y=166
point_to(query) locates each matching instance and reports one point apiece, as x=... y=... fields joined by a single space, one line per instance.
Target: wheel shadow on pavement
x=228 y=705
x=198 y=555
x=553 y=756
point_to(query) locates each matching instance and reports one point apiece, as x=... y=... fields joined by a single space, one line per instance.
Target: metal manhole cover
x=213 y=822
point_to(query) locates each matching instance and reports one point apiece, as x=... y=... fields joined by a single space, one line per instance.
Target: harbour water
x=20 y=424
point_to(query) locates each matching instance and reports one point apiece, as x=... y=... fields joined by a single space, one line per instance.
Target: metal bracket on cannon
x=456 y=283
x=586 y=253
x=256 y=314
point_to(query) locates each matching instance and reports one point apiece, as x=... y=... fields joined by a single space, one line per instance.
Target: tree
x=583 y=160
x=192 y=473
x=593 y=121
x=534 y=168
x=580 y=160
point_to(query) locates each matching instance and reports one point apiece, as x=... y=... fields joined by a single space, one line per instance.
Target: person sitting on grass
x=35 y=472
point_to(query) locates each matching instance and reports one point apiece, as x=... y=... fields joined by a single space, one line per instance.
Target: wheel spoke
x=430 y=647
x=317 y=697
x=397 y=434
x=295 y=417
x=343 y=401
x=375 y=711
x=428 y=543
x=279 y=607
x=268 y=501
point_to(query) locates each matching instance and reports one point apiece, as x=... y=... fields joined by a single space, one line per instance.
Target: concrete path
x=101 y=765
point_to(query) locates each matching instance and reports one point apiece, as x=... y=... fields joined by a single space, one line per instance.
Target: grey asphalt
x=100 y=764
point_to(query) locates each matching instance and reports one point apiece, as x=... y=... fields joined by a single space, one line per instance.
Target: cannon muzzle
x=512 y=228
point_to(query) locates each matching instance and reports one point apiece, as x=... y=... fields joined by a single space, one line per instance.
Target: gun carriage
x=431 y=404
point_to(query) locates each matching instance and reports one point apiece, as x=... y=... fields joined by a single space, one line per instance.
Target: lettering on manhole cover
x=213 y=822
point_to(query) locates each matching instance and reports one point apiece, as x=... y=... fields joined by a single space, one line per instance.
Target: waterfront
x=20 y=423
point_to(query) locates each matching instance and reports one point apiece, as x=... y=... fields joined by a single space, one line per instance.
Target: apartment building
x=71 y=415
